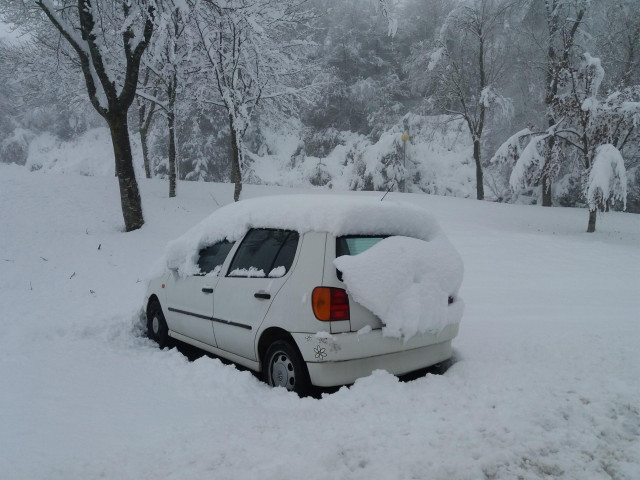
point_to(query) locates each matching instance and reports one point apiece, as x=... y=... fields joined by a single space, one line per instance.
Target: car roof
x=335 y=214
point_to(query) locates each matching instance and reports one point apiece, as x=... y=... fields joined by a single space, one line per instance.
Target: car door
x=190 y=299
x=260 y=267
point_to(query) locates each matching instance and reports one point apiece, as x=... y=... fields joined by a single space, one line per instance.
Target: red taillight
x=330 y=304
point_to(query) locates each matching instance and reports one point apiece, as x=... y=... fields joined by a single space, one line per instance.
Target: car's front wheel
x=157 y=328
x=284 y=367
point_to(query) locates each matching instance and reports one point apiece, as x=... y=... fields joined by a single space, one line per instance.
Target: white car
x=311 y=290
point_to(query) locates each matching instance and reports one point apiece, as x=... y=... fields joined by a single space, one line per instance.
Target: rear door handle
x=262 y=295
x=207 y=290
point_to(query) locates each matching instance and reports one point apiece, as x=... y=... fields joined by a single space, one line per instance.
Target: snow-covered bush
x=15 y=148
x=320 y=176
x=321 y=143
x=438 y=154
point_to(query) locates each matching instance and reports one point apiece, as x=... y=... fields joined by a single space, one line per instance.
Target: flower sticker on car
x=320 y=352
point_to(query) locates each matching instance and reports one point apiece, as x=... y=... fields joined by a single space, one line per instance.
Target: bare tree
x=106 y=40
x=563 y=19
x=468 y=65
x=617 y=35
x=166 y=60
x=593 y=127
x=146 y=111
x=254 y=58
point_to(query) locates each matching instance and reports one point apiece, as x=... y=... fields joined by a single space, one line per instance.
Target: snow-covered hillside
x=436 y=158
x=546 y=382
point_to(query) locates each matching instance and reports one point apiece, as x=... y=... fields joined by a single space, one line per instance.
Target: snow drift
x=407 y=283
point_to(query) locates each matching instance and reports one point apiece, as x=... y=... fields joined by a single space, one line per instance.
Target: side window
x=211 y=258
x=353 y=245
x=284 y=258
x=264 y=253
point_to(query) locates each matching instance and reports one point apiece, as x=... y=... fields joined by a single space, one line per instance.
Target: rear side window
x=212 y=257
x=355 y=244
x=265 y=253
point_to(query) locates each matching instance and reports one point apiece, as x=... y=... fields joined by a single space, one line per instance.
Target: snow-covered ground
x=546 y=383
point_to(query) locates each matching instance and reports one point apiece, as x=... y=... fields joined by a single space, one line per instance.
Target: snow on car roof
x=335 y=214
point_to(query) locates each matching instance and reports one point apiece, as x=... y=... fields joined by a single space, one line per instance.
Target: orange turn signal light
x=330 y=304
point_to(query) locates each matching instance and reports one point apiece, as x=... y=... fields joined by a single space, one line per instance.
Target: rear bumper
x=342 y=358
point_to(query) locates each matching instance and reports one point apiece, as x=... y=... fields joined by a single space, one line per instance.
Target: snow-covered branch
x=607 y=178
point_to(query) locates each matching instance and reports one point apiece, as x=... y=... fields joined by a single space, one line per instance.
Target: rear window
x=355 y=244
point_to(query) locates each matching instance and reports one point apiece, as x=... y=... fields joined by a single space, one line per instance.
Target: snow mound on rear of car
x=407 y=282
x=336 y=214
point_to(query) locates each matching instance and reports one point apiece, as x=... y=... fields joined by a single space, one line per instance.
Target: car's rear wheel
x=283 y=366
x=157 y=328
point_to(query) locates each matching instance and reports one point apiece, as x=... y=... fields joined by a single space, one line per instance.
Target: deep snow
x=546 y=382
x=406 y=282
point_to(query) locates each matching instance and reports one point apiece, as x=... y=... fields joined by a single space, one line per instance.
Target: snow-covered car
x=311 y=289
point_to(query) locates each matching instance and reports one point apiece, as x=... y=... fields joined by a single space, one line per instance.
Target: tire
x=283 y=366
x=157 y=329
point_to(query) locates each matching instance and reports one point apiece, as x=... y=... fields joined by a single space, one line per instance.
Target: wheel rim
x=282 y=371
x=155 y=324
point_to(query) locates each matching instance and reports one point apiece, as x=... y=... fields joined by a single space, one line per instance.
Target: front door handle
x=262 y=295
x=207 y=290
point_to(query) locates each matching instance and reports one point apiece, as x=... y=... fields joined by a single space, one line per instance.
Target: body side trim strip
x=218 y=320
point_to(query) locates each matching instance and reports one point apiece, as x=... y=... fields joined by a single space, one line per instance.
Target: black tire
x=157 y=329
x=283 y=366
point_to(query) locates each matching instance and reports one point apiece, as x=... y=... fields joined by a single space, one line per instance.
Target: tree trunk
x=144 y=123
x=172 y=155
x=477 y=131
x=634 y=39
x=592 y=221
x=479 y=176
x=236 y=175
x=129 y=193
x=545 y=178
x=145 y=152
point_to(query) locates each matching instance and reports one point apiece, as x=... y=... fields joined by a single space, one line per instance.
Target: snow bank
x=406 y=282
x=336 y=214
